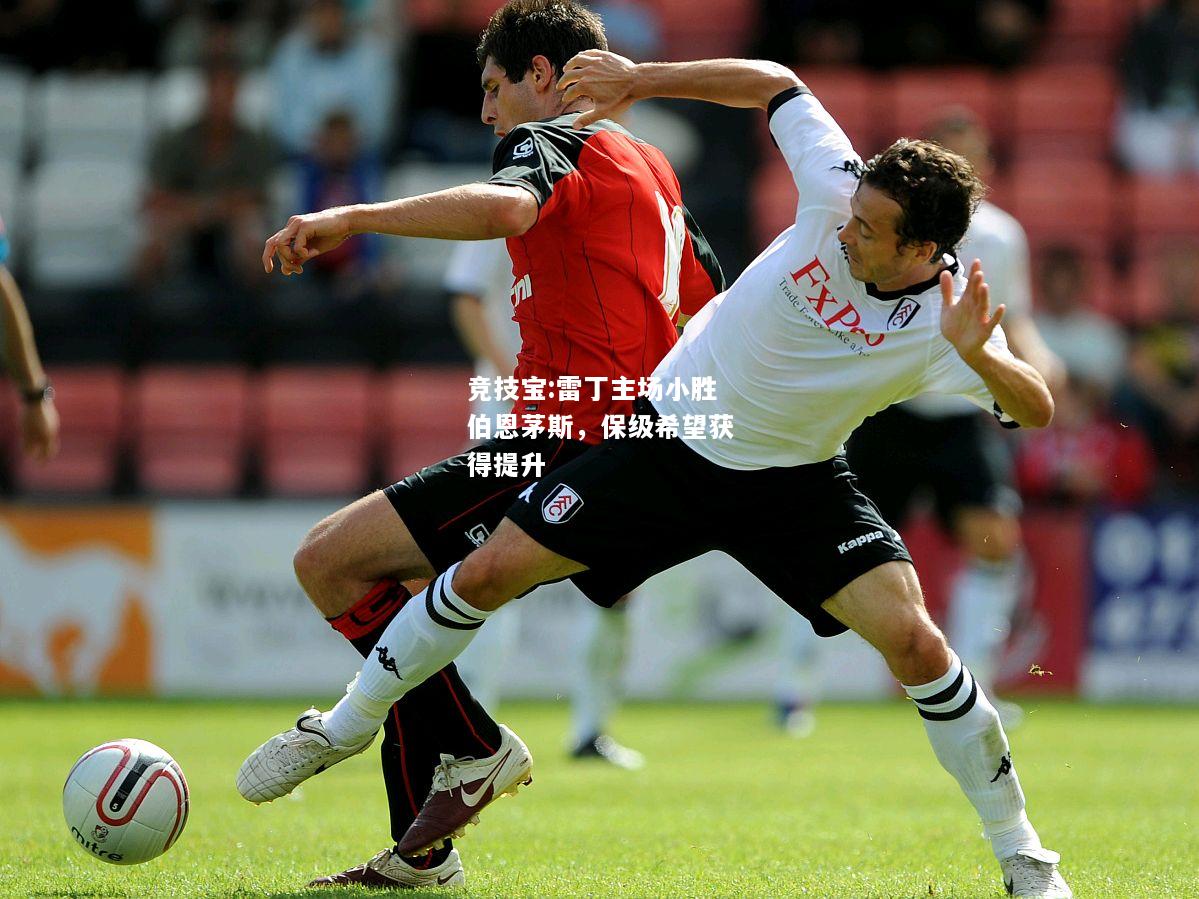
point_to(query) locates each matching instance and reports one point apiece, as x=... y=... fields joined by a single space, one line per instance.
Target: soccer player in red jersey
x=607 y=263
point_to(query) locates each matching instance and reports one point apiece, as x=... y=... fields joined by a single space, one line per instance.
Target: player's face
x=506 y=104
x=872 y=242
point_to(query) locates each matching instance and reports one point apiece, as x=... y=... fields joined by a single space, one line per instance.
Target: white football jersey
x=484 y=269
x=995 y=237
x=801 y=352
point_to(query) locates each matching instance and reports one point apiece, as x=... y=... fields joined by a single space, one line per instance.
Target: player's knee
x=313 y=562
x=482 y=580
x=920 y=655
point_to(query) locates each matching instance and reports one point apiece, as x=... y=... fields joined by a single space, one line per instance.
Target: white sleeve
x=822 y=160
x=948 y=373
x=476 y=265
x=1003 y=249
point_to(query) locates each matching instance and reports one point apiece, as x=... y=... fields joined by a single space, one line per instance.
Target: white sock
x=981 y=602
x=432 y=628
x=597 y=682
x=969 y=741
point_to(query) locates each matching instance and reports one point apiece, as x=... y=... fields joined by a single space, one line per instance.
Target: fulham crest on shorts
x=560 y=505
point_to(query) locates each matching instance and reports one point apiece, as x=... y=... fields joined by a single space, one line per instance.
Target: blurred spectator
x=444 y=98
x=1086 y=457
x=808 y=32
x=204 y=213
x=238 y=29
x=1162 y=390
x=1000 y=33
x=326 y=64
x=76 y=34
x=1007 y=31
x=19 y=357
x=1090 y=344
x=1158 y=128
x=339 y=173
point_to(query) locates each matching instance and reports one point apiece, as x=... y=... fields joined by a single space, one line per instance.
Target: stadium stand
x=314 y=430
x=189 y=429
x=424 y=416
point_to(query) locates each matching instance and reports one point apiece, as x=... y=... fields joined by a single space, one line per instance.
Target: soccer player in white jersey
x=478 y=279
x=858 y=305
x=944 y=445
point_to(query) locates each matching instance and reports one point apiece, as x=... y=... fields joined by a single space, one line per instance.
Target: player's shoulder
x=990 y=222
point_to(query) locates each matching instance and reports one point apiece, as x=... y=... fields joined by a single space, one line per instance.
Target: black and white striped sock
x=969 y=741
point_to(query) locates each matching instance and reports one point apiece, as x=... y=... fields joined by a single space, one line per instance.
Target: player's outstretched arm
x=967 y=322
x=615 y=83
x=469 y=212
x=39 y=418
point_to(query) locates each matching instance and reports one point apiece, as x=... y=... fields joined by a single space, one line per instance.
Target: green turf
x=726 y=806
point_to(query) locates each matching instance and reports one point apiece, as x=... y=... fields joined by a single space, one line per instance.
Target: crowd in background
x=303 y=105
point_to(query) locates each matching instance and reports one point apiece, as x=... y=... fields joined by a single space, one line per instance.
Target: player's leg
x=797 y=690
x=843 y=566
x=885 y=607
x=345 y=557
x=359 y=566
x=978 y=504
x=987 y=590
x=603 y=641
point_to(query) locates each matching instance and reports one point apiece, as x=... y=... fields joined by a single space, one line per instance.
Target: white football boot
x=388 y=871
x=1033 y=873
x=285 y=761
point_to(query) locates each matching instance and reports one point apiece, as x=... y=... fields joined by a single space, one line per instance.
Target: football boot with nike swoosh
x=464 y=787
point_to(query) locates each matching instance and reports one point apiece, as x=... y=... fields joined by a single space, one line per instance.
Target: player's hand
x=39 y=430
x=606 y=78
x=967 y=321
x=303 y=238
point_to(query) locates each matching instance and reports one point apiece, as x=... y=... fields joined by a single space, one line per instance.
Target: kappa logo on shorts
x=902 y=314
x=560 y=505
x=478 y=534
x=843 y=548
x=523 y=149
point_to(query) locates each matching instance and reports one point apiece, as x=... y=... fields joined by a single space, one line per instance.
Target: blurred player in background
x=607 y=263
x=39 y=418
x=478 y=280
x=945 y=446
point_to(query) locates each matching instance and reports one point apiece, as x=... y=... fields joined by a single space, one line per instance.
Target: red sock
x=364 y=622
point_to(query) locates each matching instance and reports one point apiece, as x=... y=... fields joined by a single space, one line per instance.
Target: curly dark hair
x=937 y=190
x=555 y=29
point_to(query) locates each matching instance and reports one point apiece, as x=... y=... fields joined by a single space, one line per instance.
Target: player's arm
x=469 y=212
x=470 y=323
x=39 y=418
x=968 y=323
x=615 y=83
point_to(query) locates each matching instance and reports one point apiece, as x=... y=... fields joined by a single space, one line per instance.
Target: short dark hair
x=936 y=190
x=555 y=29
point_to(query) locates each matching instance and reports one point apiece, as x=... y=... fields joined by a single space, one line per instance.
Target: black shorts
x=961 y=460
x=449 y=512
x=633 y=507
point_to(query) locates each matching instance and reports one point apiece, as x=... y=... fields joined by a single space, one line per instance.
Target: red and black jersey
x=600 y=281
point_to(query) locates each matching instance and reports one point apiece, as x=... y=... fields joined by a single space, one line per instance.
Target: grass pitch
x=726 y=806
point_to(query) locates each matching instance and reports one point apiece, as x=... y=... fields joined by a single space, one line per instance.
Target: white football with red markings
x=125 y=802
